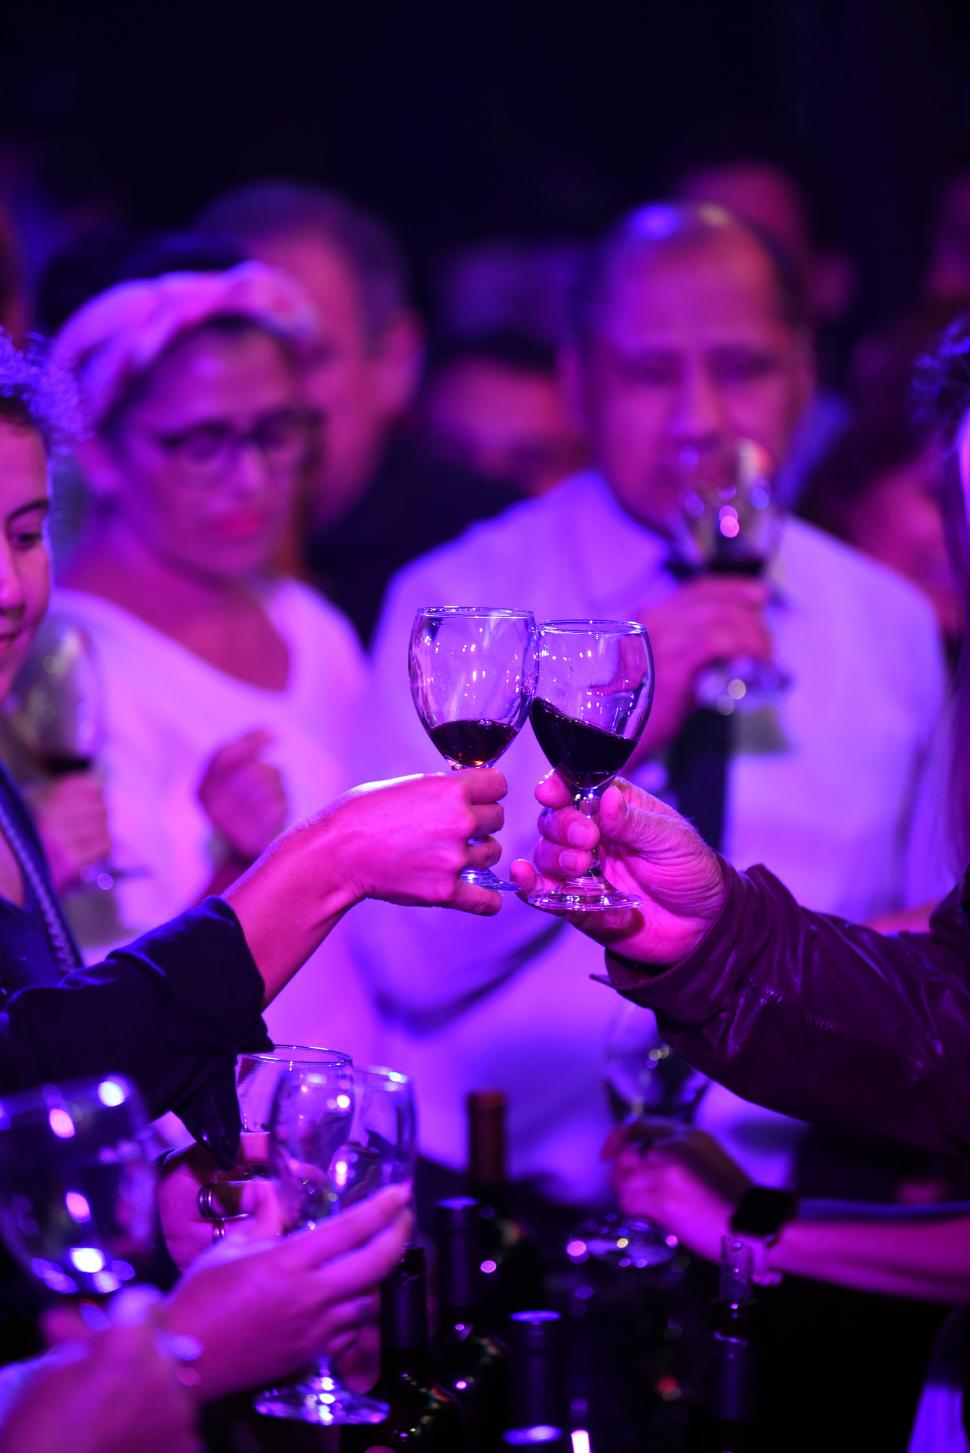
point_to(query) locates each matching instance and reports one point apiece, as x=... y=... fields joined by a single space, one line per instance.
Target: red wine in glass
x=593 y=697
x=472 y=671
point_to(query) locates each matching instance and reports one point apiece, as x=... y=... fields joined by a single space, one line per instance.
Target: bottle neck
x=458 y=1242
x=487 y=1144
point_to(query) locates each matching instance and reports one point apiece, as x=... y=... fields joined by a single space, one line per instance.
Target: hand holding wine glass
x=592 y=701
x=472 y=673
x=339 y=1135
x=729 y=527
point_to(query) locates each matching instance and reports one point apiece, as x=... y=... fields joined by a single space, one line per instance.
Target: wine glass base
x=591 y=896
x=623 y=1242
x=485 y=878
x=319 y=1400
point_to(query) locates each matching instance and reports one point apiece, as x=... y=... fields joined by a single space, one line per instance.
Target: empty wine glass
x=472 y=675
x=56 y=711
x=592 y=701
x=77 y=1184
x=729 y=524
x=645 y=1080
x=338 y=1135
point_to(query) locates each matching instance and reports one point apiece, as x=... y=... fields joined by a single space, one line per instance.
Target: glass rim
x=586 y=625
x=338 y=1057
x=474 y=611
x=383 y=1072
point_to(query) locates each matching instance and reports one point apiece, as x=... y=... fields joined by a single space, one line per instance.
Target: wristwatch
x=758 y=1220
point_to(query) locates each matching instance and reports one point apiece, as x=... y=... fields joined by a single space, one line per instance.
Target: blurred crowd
x=281 y=459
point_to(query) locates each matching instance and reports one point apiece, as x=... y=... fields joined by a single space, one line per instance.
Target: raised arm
x=802 y=1012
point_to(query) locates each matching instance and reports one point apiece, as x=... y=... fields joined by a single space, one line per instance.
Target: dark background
x=485 y=119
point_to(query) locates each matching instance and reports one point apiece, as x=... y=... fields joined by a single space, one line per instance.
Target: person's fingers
x=553 y=861
x=485 y=784
x=569 y=827
x=349 y=1229
x=489 y=818
x=553 y=792
x=483 y=852
x=523 y=875
x=242 y=749
x=467 y=898
x=366 y=1265
x=353 y=1312
x=63 y=1322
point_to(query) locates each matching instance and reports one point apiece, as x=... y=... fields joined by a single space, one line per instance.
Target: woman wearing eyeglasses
x=230 y=692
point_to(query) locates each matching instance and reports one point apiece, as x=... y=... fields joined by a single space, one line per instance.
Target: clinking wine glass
x=338 y=1135
x=257 y=1076
x=472 y=673
x=645 y=1079
x=56 y=711
x=77 y=1184
x=592 y=701
x=729 y=524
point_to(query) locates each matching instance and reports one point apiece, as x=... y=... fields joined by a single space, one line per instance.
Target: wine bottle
x=468 y=1360
x=537 y=1385
x=423 y=1415
x=729 y=1410
x=510 y=1262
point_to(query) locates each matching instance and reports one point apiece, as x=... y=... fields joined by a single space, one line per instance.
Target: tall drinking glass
x=338 y=1135
x=257 y=1076
x=472 y=673
x=592 y=701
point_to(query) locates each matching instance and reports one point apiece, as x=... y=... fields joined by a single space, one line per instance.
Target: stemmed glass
x=592 y=701
x=56 y=711
x=338 y=1135
x=645 y=1079
x=729 y=524
x=472 y=675
x=257 y=1076
x=77 y=1184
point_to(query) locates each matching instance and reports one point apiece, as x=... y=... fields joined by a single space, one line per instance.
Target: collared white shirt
x=820 y=790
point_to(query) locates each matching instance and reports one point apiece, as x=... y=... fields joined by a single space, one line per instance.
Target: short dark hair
x=670 y=224
x=34 y=395
x=265 y=210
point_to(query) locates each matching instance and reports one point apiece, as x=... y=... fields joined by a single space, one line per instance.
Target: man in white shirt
x=688 y=335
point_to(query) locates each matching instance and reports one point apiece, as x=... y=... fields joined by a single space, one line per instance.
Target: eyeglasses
x=283 y=438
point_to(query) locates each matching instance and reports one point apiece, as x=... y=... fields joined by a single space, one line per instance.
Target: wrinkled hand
x=683 y=1180
x=406 y=841
x=187 y=1232
x=699 y=624
x=106 y=1391
x=72 y=820
x=243 y=796
x=645 y=848
x=261 y=1311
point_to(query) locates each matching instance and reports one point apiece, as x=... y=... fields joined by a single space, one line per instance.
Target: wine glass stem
x=588 y=803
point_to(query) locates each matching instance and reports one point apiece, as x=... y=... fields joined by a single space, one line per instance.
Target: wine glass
x=644 y=1079
x=729 y=524
x=257 y=1076
x=56 y=711
x=77 y=1184
x=592 y=701
x=338 y=1135
x=472 y=675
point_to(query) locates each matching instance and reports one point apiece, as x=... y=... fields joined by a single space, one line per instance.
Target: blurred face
x=348 y=380
x=690 y=353
x=899 y=520
x=209 y=453
x=503 y=423
x=24 y=561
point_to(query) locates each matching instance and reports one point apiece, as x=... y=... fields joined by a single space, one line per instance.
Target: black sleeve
x=170 y=1011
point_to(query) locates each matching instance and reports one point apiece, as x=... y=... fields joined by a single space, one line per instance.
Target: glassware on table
x=56 y=711
x=77 y=1184
x=644 y=1079
x=729 y=524
x=472 y=673
x=338 y=1135
x=592 y=700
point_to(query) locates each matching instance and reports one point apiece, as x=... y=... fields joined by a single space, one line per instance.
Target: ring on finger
x=209 y=1207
